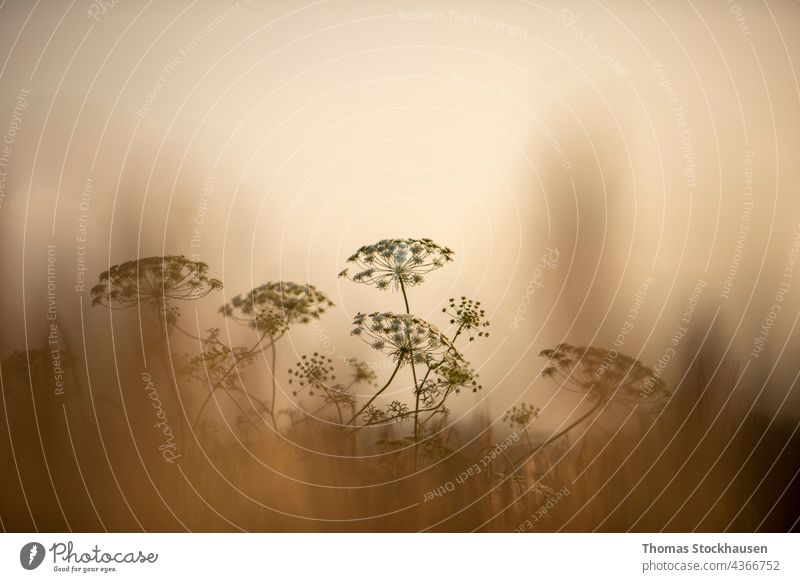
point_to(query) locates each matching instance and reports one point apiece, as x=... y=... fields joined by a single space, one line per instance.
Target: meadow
x=194 y=441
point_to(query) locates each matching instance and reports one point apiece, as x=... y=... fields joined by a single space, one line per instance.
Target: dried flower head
x=468 y=316
x=154 y=282
x=393 y=263
x=604 y=375
x=401 y=336
x=272 y=307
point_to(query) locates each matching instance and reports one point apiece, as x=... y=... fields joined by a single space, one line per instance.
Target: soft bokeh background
x=271 y=140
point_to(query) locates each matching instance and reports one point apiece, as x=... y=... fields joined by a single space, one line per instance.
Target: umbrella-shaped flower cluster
x=396 y=263
x=468 y=315
x=154 y=282
x=314 y=372
x=272 y=307
x=454 y=373
x=403 y=337
x=603 y=375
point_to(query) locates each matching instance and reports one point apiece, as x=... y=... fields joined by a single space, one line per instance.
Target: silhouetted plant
x=21 y=370
x=269 y=309
x=469 y=317
x=396 y=265
x=402 y=337
x=520 y=418
x=156 y=283
x=315 y=376
x=605 y=377
x=272 y=307
x=215 y=366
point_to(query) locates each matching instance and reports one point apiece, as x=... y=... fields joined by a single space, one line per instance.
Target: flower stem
x=561 y=433
x=219 y=383
x=417 y=387
x=274 y=381
x=416 y=415
x=378 y=393
x=405 y=297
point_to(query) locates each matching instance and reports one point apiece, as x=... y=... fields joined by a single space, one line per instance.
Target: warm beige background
x=333 y=124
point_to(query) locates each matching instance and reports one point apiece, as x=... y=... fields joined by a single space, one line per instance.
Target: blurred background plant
x=324 y=462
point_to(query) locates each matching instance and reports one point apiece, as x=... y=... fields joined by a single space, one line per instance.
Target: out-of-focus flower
x=272 y=307
x=154 y=282
x=216 y=362
x=604 y=375
x=521 y=416
x=313 y=372
x=362 y=372
x=315 y=375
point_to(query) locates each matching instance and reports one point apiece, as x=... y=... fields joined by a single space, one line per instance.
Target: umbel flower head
x=273 y=306
x=401 y=336
x=468 y=316
x=154 y=282
x=314 y=372
x=397 y=262
x=451 y=374
x=604 y=375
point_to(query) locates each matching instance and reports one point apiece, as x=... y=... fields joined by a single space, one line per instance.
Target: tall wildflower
x=269 y=309
x=437 y=367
